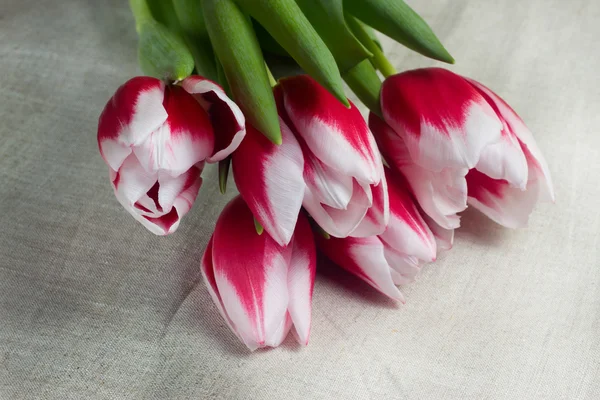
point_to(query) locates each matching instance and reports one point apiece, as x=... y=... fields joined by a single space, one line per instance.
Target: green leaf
x=186 y=18
x=259 y=228
x=327 y=17
x=267 y=42
x=238 y=51
x=224 y=174
x=397 y=20
x=204 y=58
x=378 y=60
x=365 y=83
x=370 y=32
x=162 y=54
x=164 y=51
x=284 y=20
x=221 y=78
x=141 y=13
x=163 y=12
x=316 y=228
x=191 y=19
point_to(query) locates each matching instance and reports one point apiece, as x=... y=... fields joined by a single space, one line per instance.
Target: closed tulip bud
x=328 y=162
x=260 y=288
x=345 y=184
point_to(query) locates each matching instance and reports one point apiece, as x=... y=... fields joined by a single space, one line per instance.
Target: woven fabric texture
x=92 y=306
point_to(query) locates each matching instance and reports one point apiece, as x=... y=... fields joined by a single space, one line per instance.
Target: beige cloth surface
x=92 y=306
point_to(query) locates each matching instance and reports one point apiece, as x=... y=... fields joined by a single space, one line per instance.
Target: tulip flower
x=328 y=162
x=269 y=178
x=155 y=139
x=394 y=257
x=456 y=141
x=345 y=184
x=260 y=288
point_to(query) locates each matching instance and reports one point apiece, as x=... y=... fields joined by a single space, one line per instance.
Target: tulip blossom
x=260 y=288
x=457 y=142
x=155 y=139
x=345 y=185
x=269 y=178
x=394 y=257
x=328 y=162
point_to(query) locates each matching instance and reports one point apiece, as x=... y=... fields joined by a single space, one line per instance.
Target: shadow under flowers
x=350 y=286
x=477 y=228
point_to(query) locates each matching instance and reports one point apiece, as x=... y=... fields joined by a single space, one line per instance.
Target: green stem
x=221 y=78
x=272 y=80
x=379 y=59
x=365 y=83
x=204 y=58
x=141 y=13
x=382 y=63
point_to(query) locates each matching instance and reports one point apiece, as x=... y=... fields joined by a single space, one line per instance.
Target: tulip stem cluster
x=331 y=40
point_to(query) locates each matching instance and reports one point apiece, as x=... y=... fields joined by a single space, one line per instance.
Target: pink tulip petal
x=405 y=268
x=145 y=207
x=279 y=334
x=398 y=279
x=407 y=232
x=444 y=238
x=141 y=217
x=185 y=139
x=301 y=279
x=328 y=185
x=183 y=203
x=133 y=180
x=378 y=215
x=440 y=194
x=505 y=205
x=338 y=136
x=227 y=119
x=336 y=222
x=208 y=276
x=114 y=153
x=505 y=159
x=364 y=257
x=170 y=188
x=130 y=116
x=517 y=127
x=270 y=179
x=443 y=120
x=251 y=276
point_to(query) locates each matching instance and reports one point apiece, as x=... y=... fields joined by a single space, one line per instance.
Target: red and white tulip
x=328 y=162
x=155 y=139
x=457 y=142
x=261 y=288
x=269 y=178
x=345 y=185
x=394 y=257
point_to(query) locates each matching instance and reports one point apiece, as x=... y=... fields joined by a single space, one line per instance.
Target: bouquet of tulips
x=379 y=198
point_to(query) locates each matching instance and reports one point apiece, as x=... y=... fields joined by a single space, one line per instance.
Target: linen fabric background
x=92 y=306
